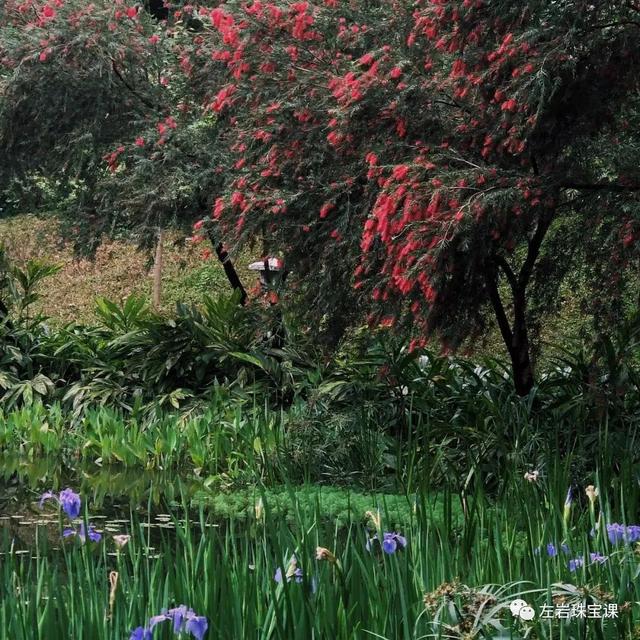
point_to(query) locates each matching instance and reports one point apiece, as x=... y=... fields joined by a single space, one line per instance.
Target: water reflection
x=110 y=493
x=101 y=486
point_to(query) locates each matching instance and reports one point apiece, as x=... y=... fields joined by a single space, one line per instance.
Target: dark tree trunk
x=516 y=335
x=229 y=269
x=157 y=271
x=520 y=349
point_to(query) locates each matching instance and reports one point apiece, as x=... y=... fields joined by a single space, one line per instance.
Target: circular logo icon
x=516 y=606
x=527 y=613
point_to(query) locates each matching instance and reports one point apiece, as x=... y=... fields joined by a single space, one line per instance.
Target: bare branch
x=600 y=186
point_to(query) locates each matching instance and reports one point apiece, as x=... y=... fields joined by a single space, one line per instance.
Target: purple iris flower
x=575 y=564
x=615 y=532
x=154 y=620
x=197 y=626
x=297 y=575
x=70 y=503
x=141 y=634
x=619 y=533
x=83 y=534
x=186 y=620
x=67 y=499
x=294 y=572
x=568 y=501
x=391 y=541
x=552 y=550
x=598 y=557
x=183 y=619
x=177 y=614
x=47 y=495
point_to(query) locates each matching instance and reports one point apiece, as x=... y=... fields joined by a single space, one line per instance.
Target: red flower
x=400 y=171
x=218 y=207
x=132 y=12
x=371 y=158
x=458 y=68
x=334 y=138
x=325 y=208
x=237 y=199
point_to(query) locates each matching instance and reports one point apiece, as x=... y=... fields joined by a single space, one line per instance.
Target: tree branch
x=534 y=249
x=508 y=271
x=227 y=265
x=494 y=296
x=620 y=23
x=140 y=97
x=599 y=186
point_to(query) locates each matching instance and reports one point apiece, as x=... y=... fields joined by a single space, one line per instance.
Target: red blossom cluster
x=112 y=159
x=404 y=139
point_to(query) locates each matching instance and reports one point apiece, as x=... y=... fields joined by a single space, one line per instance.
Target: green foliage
x=203 y=280
x=135 y=356
x=339 y=507
x=206 y=390
x=383 y=421
x=449 y=581
x=21 y=336
x=73 y=88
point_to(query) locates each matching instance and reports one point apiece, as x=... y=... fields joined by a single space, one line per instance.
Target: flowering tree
x=452 y=157
x=427 y=164
x=78 y=82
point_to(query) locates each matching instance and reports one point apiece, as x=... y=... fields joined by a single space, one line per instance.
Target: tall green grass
x=455 y=578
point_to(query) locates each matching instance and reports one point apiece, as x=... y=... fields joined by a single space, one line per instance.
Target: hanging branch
x=229 y=269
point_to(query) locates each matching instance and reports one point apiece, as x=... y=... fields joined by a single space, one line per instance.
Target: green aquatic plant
x=441 y=584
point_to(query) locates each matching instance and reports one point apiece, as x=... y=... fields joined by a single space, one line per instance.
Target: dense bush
x=134 y=356
x=207 y=389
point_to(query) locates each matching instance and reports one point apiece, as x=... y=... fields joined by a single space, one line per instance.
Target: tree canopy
x=425 y=165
